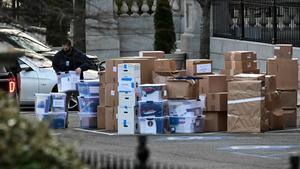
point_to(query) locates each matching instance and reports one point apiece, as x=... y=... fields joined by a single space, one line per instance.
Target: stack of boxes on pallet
x=240 y=62
x=88 y=100
x=129 y=78
x=152 y=109
x=285 y=68
x=246 y=104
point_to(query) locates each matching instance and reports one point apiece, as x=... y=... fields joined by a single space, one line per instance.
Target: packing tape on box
x=254 y=99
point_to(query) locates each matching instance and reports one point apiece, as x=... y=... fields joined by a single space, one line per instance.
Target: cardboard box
x=129 y=70
x=147 y=66
x=239 y=55
x=244 y=66
x=198 y=67
x=270 y=83
x=276 y=120
x=127 y=99
x=288 y=99
x=216 y=101
x=101 y=77
x=101 y=117
x=283 y=51
x=163 y=77
x=127 y=123
x=290 y=118
x=164 y=65
x=246 y=107
x=212 y=84
x=182 y=89
x=231 y=72
x=111 y=94
x=286 y=71
x=273 y=101
x=102 y=95
x=247 y=76
x=215 y=121
x=156 y=54
x=110 y=118
x=128 y=84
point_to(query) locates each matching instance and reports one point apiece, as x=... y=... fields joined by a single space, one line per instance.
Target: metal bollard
x=294 y=161
x=142 y=153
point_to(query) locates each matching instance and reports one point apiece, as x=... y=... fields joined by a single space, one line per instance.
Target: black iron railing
x=97 y=160
x=269 y=21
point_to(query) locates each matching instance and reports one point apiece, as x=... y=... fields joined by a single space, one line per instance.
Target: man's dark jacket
x=63 y=62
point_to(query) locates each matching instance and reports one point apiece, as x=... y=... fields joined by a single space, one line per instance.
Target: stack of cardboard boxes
x=246 y=104
x=285 y=68
x=240 y=62
x=109 y=95
x=129 y=78
x=213 y=89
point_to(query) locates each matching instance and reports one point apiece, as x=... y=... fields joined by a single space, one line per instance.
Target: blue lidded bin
x=88 y=120
x=42 y=103
x=152 y=125
x=58 y=102
x=88 y=88
x=88 y=104
x=56 y=120
x=152 y=108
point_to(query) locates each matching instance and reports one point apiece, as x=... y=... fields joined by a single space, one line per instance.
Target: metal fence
x=97 y=160
x=269 y=21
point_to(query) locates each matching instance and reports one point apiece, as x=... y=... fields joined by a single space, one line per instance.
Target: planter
x=179 y=57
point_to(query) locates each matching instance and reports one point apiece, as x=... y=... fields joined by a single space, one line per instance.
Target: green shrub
x=26 y=145
x=165 y=37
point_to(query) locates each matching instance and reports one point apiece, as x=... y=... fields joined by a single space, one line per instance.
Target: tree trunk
x=79 y=25
x=205 y=32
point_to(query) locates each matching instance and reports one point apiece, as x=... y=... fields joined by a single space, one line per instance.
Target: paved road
x=207 y=150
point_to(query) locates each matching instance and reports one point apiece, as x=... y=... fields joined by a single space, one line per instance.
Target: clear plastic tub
x=185 y=107
x=67 y=81
x=56 y=120
x=88 y=88
x=88 y=120
x=186 y=124
x=88 y=104
x=58 y=102
x=152 y=92
x=42 y=103
x=150 y=108
x=152 y=125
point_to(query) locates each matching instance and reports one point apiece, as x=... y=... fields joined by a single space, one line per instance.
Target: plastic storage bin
x=67 y=81
x=187 y=124
x=88 y=120
x=58 y=102
x=56 y=120
x=185 y=107
x=150 y=108
x=88 y=104
x=152 y=92
x=152 y=125
x=88 y=88
x=42 y=103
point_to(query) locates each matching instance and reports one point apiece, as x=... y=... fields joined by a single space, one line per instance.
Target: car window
x=39 y=61
x=2 y=69
x=28 y=43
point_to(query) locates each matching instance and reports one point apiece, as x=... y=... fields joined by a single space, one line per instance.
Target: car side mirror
x=25 y=67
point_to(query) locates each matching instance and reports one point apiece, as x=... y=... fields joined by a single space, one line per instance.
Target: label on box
x=58 y=103
x=114 y=69
x=203 y=68
x=112 y=92
x=94 y=89
x=126 y=85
